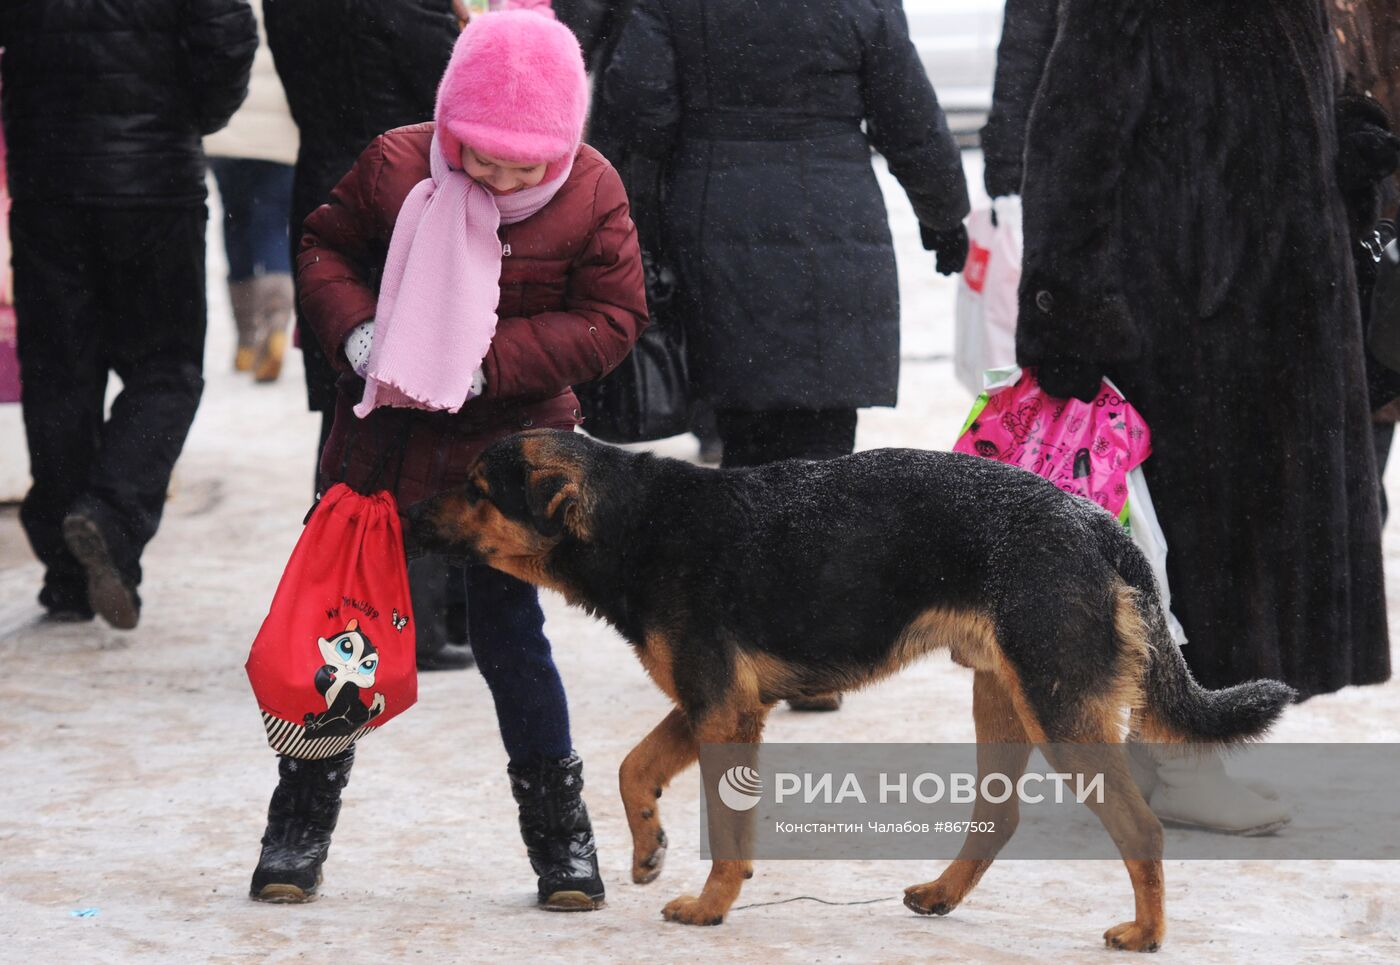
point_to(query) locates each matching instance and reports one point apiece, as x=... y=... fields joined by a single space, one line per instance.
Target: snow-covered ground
x=134 y=777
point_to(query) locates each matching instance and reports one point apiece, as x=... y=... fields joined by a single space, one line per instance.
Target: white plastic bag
x=985 y=335
x=1141 y=520
x=1147 y=534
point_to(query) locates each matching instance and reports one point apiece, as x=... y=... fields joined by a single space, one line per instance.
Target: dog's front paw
x=647 y=862
x=689 y=910
x=930 y=899
x=1133 y=936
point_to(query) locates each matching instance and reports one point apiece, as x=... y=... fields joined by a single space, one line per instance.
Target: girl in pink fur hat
x=463 y=276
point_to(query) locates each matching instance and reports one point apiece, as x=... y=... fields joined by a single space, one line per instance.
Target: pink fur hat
x=515 y=89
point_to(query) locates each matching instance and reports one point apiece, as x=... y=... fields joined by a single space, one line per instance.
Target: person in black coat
x=1027 y=33
x=598 y=25
x=104 y=106
x=771 y=212
x=352 y=69
x=1186 y=234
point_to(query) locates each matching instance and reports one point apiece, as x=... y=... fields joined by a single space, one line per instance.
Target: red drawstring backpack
x=335 y=656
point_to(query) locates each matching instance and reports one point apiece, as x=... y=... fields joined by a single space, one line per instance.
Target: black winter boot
x=558 y=836
x=300 y=820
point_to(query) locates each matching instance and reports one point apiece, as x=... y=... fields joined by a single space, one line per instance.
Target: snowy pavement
x=134 y=777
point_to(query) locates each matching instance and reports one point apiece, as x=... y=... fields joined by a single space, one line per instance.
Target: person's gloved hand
x=949 y=248
x=357 y=346
x=1066 y=378
x=1367 y=154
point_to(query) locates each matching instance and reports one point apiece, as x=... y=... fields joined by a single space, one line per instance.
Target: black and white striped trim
x=290 y=740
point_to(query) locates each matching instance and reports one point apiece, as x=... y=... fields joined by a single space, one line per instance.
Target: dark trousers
x=506 y=627
x=257 y=200
x=754 y=438
x=101 y=290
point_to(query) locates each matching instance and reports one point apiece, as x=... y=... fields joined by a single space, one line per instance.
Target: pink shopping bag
x=1085 y=448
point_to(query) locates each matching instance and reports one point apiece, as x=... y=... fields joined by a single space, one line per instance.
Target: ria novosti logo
x=740 y=788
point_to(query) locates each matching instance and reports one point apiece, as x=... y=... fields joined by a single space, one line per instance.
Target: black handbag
x=647 y=396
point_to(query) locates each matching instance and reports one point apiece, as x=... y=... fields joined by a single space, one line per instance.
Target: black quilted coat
x=764 y=116
x=105 y=101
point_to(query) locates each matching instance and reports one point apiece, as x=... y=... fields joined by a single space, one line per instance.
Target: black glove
x=1367 y=154
x=949 y=247
x=1065 y=378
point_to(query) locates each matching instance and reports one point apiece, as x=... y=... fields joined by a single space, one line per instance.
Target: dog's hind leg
x=1134 y=829
x=1003 y=747
x=735 y=722
x=669 y=749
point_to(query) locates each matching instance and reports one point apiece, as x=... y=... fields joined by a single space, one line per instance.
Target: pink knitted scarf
x=441 y=285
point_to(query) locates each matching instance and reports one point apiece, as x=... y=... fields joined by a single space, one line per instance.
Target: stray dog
x=739 y=588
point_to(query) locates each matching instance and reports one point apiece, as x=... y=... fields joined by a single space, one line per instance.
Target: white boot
x=1193 y=790
x=1142 y=763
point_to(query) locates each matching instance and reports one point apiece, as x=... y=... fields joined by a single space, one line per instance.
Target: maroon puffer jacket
x=572 y=303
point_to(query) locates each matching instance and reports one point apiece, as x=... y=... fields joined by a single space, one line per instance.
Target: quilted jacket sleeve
x=908 y=127
x=221 y=37
x=340 y=248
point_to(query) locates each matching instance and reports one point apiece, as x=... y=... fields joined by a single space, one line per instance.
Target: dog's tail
x=1175 y=708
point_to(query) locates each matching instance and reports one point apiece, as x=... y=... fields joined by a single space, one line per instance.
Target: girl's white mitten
x=357 y=346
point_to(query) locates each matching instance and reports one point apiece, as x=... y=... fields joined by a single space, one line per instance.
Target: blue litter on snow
x=85 y=912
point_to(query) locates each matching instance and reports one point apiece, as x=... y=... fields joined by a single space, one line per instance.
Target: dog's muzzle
x=416 y=526
x=421 y=536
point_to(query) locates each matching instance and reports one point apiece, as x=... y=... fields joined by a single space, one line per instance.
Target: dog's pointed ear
x=551 y=497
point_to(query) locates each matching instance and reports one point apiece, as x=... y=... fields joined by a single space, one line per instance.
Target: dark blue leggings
x=506 y=627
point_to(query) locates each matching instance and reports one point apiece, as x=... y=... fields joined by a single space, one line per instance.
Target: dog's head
x=524 y=497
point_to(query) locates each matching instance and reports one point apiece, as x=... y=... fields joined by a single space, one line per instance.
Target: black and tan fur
x=740 y=588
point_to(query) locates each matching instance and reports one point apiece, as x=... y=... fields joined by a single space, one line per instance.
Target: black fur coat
x=1187 y=236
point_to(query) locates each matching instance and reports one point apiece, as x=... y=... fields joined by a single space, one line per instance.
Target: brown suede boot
x=242 y=295
x=273 y=296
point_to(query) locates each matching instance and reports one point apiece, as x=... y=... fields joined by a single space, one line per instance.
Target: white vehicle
x=957 y=42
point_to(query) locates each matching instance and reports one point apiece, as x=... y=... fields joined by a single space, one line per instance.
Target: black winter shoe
x=434 y=587
x=558 y=836
x=300 y=820
x=109 y=592
x=449 y=656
